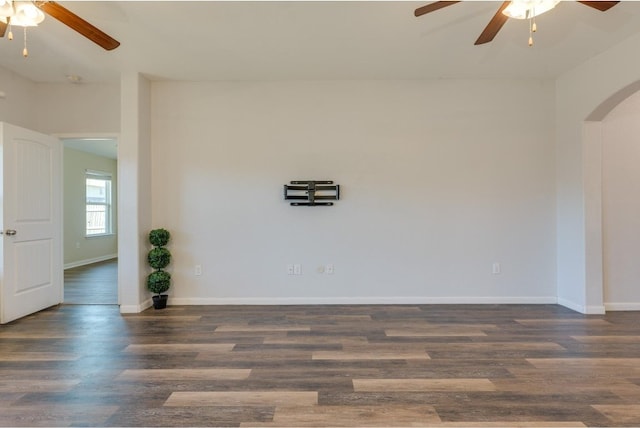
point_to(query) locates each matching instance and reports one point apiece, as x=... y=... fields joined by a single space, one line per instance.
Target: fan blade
x=493 y=26
x=432 y=7
x=78 y=24
x=3 y=28
x=602 y=6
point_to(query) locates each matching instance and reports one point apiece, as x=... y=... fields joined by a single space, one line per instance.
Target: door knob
x=10 y=232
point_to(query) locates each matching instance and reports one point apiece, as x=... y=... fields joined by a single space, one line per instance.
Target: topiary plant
x=159 y=237
x=159 y=281
x=159 y=258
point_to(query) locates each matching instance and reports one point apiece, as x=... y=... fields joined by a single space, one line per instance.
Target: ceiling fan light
x=6 y=8
x=27 y=15
x=526 y=9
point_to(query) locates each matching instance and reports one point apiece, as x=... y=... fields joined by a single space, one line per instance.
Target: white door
x=31 y=274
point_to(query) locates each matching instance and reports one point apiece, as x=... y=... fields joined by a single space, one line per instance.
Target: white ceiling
x=265 y=40
x=105 y=147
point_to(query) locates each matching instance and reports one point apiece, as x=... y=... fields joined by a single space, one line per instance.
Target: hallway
x=94 y=284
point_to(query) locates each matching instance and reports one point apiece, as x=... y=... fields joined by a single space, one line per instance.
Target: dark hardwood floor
x=94 y=284
x=408 y=365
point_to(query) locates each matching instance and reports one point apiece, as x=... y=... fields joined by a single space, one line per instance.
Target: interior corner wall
x=440 y=180
x=134 y=172
x=79 y=249
x=144 y=184
x=579 y=93
x=621 y=205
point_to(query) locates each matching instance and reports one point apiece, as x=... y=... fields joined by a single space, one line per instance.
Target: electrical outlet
x=496 y=268
x=197 y=271
x=297 y=269
x=329 y=269
x=290 y=270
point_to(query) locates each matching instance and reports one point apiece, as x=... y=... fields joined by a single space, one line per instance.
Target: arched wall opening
x=611 y=148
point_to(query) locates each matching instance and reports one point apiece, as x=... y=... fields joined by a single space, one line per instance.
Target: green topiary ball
x=159 y=237
x=159 y=258
x=159 y=281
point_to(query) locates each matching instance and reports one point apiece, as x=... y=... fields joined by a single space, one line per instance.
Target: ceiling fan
x=62 y=14
x=502 y=15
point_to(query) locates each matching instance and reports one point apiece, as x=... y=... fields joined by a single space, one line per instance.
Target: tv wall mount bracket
x=311 y=193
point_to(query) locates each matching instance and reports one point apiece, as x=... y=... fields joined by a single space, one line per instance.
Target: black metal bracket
x=312 y=191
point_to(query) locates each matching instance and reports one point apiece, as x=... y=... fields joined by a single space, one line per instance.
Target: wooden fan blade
x=78 y=24
x=602 y=6
x=431 y=7
x=493 y=26
x=3 y=28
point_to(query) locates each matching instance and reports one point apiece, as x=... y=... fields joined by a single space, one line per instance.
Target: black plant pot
x=160 y=301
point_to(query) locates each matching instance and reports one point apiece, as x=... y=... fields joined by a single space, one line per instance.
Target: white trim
x=587 y=310
x=90 y=261
x=595 y=310
x=135 y=309
x=622 y=306
x=571 y=305
x=357 y=300
x=98 y=175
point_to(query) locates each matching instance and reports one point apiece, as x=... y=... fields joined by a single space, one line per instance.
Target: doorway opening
x=95 y=284
x=90 y=220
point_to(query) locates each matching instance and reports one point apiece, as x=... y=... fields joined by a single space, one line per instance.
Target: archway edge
x=592 y=149
x=585 y=95
x=605 y=107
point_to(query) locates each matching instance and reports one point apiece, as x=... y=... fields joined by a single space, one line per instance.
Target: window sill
x=102 y=235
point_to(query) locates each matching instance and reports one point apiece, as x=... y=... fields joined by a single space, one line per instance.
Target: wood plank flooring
x=93 y=284
x=371 y=365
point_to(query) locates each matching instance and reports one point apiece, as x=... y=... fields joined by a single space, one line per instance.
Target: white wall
x=54 y=108
x=587 y=92
x=440 y=180
x=621 y=205
x=87 y=108
x=78 y=249
x=134 y=171
x=19 y=101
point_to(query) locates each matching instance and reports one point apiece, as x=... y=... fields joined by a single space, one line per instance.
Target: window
x=98 y=203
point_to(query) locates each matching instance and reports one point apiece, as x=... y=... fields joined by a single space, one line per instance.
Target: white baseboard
x=134 y=309
x=357 y=300
x=587 y=310
x=571 y=305
x=622 y=306
x=90 y=261
x=595 y=310
x=204 y=301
